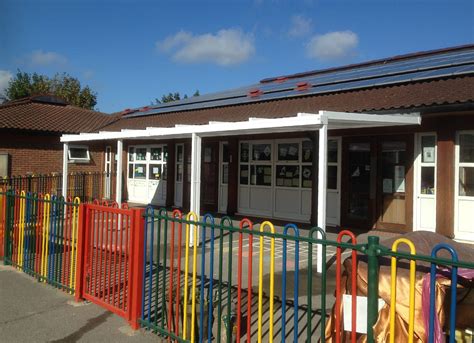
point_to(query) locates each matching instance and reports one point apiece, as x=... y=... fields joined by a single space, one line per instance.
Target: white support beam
x=65 y=170
x=322 y=191
x=118 y=184
x=195 y=201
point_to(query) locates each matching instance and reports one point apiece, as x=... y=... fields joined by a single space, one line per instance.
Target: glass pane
x=332 y=151
x=225 y=152
x=78 y=153
x=287 y=176
x=179 y=154
x=261 y=152
x=165 y=172
x=155 y=172
x=332 y=177
x=393 y=167
x=179 y=173
x=261 y=175
x=225 y=174
x=165 y=153
x=466 y=181
x=188 y=172
x=427 y=180
x=307 y=151
x=306 y=177
x=428 y=149
x=208 y=155
x=155 y=154
x=141 y=154
x=244 y=152
x=130 y=171
x=288 y=151
x=140 y=171
x=466 y=148
x=244 y=175
x=130 y=154
x=359 y=182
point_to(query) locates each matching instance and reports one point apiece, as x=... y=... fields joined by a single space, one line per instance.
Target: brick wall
x=43 y=154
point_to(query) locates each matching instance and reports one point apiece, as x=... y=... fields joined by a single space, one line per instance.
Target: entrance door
x=210 y=176
x=358 y=203
x=393 y=198
x=464 y=186
x=424 y=217
x=333 y=202
x=223 y=176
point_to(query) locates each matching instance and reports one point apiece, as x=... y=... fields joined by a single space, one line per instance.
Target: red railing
x=109 y=271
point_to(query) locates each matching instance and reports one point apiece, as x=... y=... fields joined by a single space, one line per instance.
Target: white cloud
x=226 y=47
x=5 y=77
x=333 y=45
x=300 y=26
x=43 y=58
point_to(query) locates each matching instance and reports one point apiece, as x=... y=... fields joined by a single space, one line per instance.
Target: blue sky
x=131 y=52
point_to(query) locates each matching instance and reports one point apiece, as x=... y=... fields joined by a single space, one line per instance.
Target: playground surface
x=34 y=312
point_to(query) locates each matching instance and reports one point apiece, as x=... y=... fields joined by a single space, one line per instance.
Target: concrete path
x=34 y=312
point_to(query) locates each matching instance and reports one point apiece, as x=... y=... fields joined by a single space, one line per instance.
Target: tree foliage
x=62 y=85
x=172 y=97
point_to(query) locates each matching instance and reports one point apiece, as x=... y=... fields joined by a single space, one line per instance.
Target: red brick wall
x=43 y=154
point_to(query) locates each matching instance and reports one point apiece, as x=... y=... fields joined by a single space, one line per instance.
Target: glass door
x=358 y=209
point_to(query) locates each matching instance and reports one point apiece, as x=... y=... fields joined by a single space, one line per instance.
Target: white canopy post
x=118 y=184
x=65 y=170
x=322 y=171
x=195 y=202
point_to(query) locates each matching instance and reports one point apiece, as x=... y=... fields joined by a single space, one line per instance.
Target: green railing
x=218 y=280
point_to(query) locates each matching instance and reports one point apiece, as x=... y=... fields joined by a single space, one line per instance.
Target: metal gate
x=109 y=258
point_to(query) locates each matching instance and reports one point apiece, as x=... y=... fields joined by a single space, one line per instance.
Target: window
x=179 y=162
x=466 y=164
x=428 y=164
x=78 y=154
x=288 y=151
x=255 y=168
x=261 y=175
x=147 y=163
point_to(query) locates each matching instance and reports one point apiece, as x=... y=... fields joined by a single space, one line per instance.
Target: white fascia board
x=362 y=119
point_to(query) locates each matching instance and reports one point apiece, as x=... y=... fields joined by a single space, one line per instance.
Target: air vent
x=254 y=93
x=281 y=79
x=302 y=86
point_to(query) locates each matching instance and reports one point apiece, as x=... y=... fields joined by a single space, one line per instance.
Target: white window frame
x=80 y=159
x=459 y=235
x=418 y=165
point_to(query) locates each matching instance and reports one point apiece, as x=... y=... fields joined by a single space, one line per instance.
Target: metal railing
x=194 y=287
x=40 y=236
x=85 y=185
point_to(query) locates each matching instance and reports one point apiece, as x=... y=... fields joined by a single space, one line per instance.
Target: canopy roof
x=300 y=122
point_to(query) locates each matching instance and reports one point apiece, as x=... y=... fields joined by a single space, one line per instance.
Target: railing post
x=372 y=286
x=8 y=226
x=136 y=291
x=81 y=241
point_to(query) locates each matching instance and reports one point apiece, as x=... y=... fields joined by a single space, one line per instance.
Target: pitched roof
x=455 y=90
x=50 y=114
x=422 y=66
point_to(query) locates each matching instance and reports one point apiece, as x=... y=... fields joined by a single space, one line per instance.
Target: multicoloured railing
x=40 y=236
x=220 y=280
x=207 y=289
x=86 y=186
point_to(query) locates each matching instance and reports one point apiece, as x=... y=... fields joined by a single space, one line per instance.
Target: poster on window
x=399 y=179
x=428 y=154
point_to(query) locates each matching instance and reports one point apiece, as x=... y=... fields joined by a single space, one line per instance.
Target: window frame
x=79 y=159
